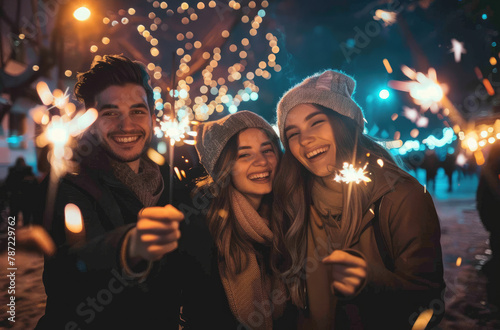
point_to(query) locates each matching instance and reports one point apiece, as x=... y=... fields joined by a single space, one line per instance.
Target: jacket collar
x=384 y=181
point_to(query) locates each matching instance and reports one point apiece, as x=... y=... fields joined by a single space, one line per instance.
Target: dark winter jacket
x=85 y=286
x=400 y=241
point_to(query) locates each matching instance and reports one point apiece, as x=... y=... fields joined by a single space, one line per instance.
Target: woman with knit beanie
x=358 y=255
x=240 y=153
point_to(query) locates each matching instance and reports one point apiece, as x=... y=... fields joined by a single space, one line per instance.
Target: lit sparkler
x=175 y=130
x=457 y=48
x=350 y=174
x=58 y=133
x=59 y=129
x=424 y=89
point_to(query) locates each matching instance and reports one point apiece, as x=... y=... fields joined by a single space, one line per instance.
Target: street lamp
x=82 y=13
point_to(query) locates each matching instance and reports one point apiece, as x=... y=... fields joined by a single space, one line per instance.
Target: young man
x=123 y=272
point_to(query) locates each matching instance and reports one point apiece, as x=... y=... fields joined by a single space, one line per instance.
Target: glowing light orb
x=73 y=218
x=82 y=14
x=384 y=94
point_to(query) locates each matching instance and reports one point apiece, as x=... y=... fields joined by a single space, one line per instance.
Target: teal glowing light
x=384 y=94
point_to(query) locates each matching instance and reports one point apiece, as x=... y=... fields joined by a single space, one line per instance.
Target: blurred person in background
x=488 y=205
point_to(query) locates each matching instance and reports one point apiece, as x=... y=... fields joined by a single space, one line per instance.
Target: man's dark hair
x=112 y=70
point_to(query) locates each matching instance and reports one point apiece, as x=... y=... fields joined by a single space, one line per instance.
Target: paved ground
x=463 y=237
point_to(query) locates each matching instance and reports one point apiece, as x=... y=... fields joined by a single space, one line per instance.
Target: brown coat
x=400 y=241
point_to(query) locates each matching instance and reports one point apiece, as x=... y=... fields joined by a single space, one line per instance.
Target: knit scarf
x=250 y=292
x=327 y=200
x=147 y=184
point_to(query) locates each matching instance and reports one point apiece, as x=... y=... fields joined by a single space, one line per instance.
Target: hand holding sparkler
x=156 y=233
x=348 y=272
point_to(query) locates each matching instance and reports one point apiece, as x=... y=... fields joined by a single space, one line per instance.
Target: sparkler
x=58 y=133
x=350 y=174
x=424 y=89
x=174 y=130
x=60 y=129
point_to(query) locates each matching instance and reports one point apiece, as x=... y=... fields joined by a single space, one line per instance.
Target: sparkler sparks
x=424 y=89
x=457 y=48
x=350 y=174
x=59 y=129
x=175 y=130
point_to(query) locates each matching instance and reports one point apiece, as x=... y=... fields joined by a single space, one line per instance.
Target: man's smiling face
x=124 y=126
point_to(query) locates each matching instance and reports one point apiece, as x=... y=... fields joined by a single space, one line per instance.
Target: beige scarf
x=255 y=297
x=327 y=201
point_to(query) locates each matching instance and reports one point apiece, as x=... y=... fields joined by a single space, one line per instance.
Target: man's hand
x=156 y=233
x=349 y=272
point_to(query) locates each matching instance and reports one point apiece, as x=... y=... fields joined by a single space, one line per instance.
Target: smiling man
x=120 y=273
x=124 y=125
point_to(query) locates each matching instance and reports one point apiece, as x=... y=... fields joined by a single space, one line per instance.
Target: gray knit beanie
x=332 y=89
x=213 y=135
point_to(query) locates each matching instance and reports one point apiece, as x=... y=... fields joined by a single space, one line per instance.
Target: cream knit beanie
x=331 y=89
x=213 y=135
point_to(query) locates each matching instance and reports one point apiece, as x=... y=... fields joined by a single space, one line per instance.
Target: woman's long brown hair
x=292 y=200
x=227 y=234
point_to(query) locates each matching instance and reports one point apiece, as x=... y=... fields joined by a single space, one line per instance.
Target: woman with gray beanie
x=240 y=153
x=358 y=255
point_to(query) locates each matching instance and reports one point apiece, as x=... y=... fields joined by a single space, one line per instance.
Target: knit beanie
x=332 y=89
x=213 y=135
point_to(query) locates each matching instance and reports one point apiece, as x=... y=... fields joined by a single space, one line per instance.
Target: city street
x=464 y=243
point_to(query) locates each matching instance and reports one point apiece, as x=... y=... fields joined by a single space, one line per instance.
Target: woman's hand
x=349 y=272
